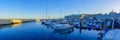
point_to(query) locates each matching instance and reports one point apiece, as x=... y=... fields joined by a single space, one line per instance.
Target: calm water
x=36 y=31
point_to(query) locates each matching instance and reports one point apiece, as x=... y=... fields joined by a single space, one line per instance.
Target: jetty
x=12 y=21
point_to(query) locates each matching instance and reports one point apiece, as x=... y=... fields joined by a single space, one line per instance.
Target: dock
x=5 y=22
x=8 y=21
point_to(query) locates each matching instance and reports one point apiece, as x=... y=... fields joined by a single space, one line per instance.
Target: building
x=110 y=15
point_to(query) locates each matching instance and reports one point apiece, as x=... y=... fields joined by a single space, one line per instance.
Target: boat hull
x=64 y=30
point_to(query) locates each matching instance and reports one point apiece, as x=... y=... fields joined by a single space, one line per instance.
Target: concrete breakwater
x=8 y=21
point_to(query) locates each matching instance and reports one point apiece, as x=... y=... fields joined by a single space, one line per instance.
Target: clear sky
x=55 y=8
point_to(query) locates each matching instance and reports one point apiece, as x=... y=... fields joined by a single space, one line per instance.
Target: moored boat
x=62 y=26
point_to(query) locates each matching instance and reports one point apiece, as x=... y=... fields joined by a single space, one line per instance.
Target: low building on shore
x=110 y=15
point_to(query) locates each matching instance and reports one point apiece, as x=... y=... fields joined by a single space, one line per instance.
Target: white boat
x=62 y=26
x=63 y=29
x=112 y=35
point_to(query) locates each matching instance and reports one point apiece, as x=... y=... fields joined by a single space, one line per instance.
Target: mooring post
x=80 y=27
x=113 y=24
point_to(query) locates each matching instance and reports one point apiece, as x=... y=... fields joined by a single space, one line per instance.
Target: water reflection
x=12 y=25
x=64 y=31
x=9 y=26
x=33 y=31
x=16 y=24
x=6 y=26
x=74 y=34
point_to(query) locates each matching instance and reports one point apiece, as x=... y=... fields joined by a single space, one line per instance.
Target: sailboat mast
x=60 y=13
x=46 y=10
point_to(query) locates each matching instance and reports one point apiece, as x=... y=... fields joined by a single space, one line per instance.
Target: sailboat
x=46 y=21
x=62 y=24
x=43 y=22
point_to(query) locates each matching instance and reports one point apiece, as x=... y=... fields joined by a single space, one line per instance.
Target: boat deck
x=112 y=35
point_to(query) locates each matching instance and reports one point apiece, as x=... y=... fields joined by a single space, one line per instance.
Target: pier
x=12 y=21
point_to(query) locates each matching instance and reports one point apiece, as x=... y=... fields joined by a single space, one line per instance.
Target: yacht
x=62 y=26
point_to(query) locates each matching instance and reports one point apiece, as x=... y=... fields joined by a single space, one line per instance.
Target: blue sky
x=37 y=8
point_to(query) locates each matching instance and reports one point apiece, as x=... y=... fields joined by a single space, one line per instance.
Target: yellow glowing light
x=38 y=20
x=16 y=21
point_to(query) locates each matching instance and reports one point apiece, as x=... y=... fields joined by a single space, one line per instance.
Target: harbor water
x=36 y=31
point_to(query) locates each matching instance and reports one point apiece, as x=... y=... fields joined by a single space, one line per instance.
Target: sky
x=55 y=8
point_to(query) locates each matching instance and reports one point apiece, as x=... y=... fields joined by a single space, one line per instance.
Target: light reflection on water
x=16 y=24
x=36 y=31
